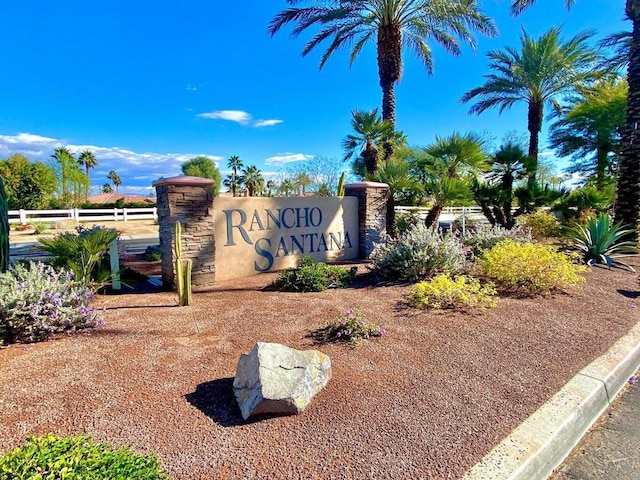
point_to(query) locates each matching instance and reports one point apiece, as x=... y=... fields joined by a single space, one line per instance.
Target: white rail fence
x=24 y=217
x=448 y=212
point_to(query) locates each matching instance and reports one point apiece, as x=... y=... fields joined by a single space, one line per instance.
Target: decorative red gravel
x=428 y=400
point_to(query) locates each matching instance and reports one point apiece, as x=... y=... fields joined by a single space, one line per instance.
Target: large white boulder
x=275 y=379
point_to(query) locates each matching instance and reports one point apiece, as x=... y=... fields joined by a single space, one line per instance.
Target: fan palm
x=371 y=132
x=589 y=129
x=447 y=169
x=252 y=179
x=233 y=180
x=537 y=74
x=115 y=179
x=495 y=196
x=392 y=25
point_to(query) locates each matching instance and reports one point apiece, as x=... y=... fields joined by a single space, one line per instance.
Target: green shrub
x=532 y=267
x=485 y=237
x=419 y=253
x=541 y=223
x=600 y=241
x=40 y=227
x=37 y=301
x=76 y=458
x=85 y=253
x=406 y=221
x=312 y=276
x=444 y=292
x=153 y=253
x=351 y=328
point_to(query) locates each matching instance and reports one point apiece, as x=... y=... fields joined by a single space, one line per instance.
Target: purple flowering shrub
x=351 y=328
x=37 y=301
x=421 y=252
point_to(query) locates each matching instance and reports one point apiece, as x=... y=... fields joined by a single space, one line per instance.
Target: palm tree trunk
x=389 y=70
x=370 y=156
x=601 y=168
x=392 y=231
x=534 y=125
x=433 y=215
x=507 y=188
x=627 y=206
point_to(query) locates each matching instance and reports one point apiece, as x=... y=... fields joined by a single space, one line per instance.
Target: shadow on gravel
x=629 y=294
x=216 y=400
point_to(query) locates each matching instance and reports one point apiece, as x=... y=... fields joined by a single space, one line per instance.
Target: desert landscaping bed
x=427 y=400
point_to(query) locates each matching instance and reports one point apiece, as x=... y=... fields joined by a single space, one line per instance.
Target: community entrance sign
x=229 y=238
x=261 y=234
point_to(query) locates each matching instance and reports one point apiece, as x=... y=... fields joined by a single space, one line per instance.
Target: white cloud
x=191 y=88
x=266 y=123
x=282 y=159
x=238 y=116
x=135 y=169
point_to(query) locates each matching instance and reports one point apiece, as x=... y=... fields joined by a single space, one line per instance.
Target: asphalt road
x=611 y=450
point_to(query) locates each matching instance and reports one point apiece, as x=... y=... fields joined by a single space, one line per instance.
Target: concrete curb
x=540 y=444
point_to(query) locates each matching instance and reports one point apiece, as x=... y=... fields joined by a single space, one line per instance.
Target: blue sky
x=148 y=85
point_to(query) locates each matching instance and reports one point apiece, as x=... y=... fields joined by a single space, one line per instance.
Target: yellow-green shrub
x=444 y=292
x=541 y=223
x=531 y=266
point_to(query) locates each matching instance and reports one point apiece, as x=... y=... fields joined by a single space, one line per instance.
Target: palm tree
x=271 y=187
x=107 y=188
x=447 y=169
x=620 y=42
x=495 y=196
x=541 y=71
x=233 y=180
x=115 y=179
x=589 y=129
x=302 y=181
x=89 y=160
x=252 y=179
x=395 y=172
x=627 y=204
x=371 y=132
x=287 y=187
x=519 y=6
x=392 y=25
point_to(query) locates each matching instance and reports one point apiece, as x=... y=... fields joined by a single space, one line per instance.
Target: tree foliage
x=203 y=167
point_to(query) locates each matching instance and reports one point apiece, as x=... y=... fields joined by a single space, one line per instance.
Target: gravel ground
x=428 y=400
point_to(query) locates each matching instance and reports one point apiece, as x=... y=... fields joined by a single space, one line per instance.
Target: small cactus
x=340 y=189
x=4 y=229
x=183 y=269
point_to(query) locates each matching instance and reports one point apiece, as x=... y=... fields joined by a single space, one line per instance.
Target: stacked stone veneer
x=190 y=201
x=372 y=213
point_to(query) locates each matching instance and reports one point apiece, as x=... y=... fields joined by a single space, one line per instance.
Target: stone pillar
x=372 y=212
x=190 y=201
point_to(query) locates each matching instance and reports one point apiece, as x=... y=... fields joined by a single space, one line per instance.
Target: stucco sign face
x=260 y=234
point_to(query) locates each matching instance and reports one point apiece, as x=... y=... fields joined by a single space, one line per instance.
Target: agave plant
x=600 y=241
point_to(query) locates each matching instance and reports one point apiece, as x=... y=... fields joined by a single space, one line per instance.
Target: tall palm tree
x=371 y=133
x=537 y=74
x=519 y=6
x=392 y=25
x=627 y=204
x=252 y=179
x=235 y=164
x=115 y=179
x=447 y=169
x=67 y=170
x=89 y=160
x=302 y=181
x=589 y=129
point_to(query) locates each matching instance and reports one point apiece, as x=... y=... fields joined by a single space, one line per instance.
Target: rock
x=275 y=379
